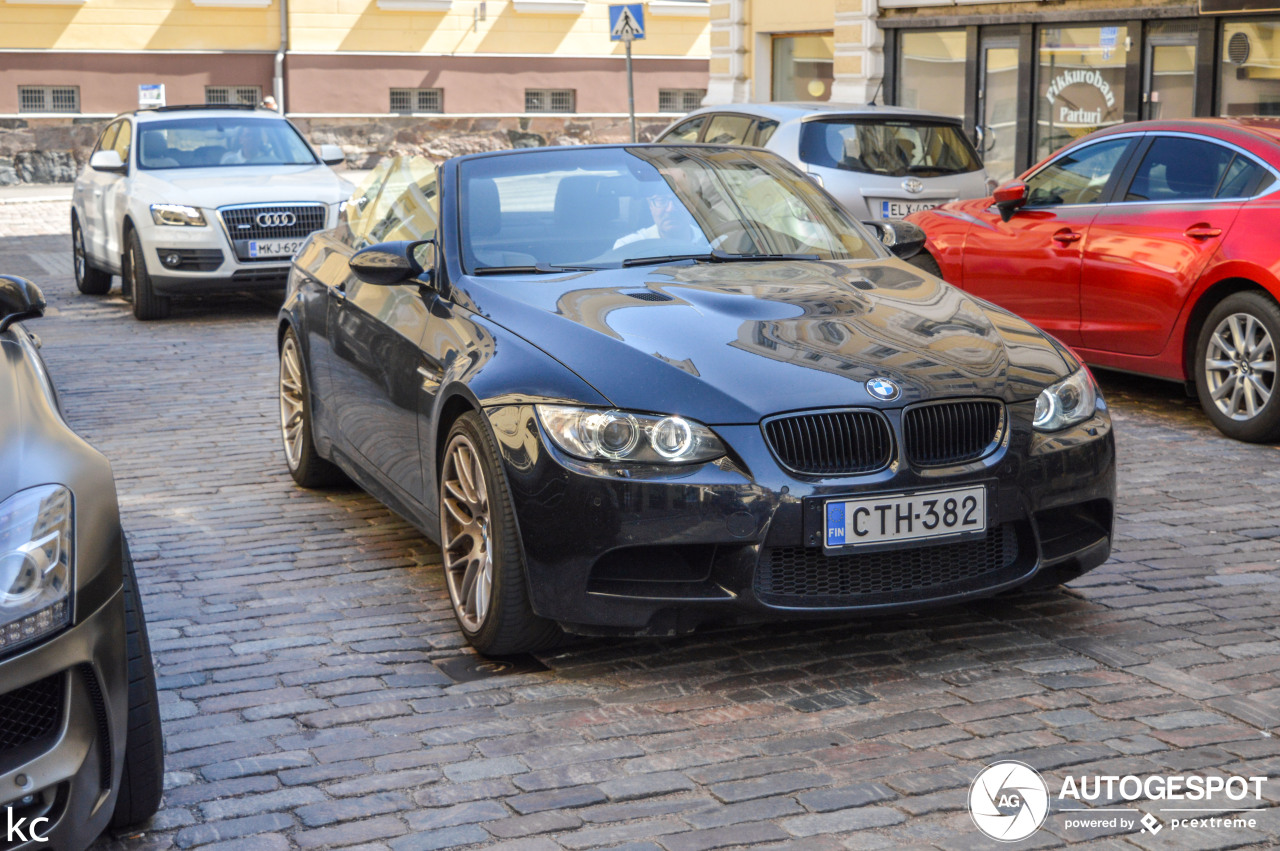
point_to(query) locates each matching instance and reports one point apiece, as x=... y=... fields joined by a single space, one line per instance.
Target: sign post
x=626 y=24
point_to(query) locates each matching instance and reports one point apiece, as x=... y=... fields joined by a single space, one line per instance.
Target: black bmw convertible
x=638 y=389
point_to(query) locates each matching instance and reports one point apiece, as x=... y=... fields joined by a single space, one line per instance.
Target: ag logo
x=1008 y=801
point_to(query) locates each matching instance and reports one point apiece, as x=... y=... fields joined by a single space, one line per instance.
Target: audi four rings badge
x=276 y=220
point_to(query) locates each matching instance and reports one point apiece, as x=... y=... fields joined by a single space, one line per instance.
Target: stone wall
x=54 y=150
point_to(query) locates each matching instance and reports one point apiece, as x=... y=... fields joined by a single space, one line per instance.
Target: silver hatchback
x=880 y=162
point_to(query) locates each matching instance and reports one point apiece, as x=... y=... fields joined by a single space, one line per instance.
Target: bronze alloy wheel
x=292 y=403
x=465 y=526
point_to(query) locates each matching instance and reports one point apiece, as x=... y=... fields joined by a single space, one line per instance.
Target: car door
x=380 y=380
x=1032 y=263
x=89 y=198
x=1147 y=249
x=115 y=194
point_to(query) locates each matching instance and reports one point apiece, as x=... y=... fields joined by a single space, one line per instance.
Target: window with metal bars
x=549 y=100
x=48 y=98
x=228 y=95
x=417 y=100
x=680 y=100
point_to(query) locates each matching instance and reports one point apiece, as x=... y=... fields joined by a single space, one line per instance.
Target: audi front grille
x=270 y=222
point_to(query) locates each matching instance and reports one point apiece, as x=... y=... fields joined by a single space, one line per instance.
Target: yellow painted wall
x=336 y=25
x=137 y=25
x=793 y=16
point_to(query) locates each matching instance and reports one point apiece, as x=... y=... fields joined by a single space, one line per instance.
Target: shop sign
x=1089 y=106
x=1221 y=7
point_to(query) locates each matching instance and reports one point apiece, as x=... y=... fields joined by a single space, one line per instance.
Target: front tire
x=480 y=548
x=306 y=465
x=147 y=303
x=1235 y=367
x=142 y=780
x=89 y=280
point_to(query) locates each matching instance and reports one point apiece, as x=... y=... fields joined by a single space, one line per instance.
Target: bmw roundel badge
x=883 y=389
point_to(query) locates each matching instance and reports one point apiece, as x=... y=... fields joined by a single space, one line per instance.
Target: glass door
x=1169 y=90
x=998 y=106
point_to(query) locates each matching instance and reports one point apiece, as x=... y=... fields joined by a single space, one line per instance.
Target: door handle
x=1067 y=236
x=1203 y=232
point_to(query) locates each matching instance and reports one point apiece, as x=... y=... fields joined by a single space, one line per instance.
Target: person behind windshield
x=670 y=221
x=251 y=147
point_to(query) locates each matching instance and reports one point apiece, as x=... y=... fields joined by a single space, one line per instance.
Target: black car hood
x=735 y=342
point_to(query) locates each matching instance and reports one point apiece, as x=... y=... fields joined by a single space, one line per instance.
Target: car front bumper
x=659 y=552
x=74 y=688
x=184 y=260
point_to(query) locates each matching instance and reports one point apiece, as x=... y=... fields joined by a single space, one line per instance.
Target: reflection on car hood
x=217 y=187
x=734 y=342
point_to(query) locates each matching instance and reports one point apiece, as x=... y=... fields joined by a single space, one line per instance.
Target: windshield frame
x=841 y=238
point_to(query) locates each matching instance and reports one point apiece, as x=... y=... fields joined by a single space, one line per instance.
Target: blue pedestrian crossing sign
x=626 y=22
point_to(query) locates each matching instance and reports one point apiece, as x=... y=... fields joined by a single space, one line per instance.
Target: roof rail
x=184 y=106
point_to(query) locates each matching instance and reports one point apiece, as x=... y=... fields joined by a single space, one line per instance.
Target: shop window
x=48 y=99
x=680 y=100
x=931 y=71
x=803 y=67
x=232 y=95
x=549 y=100
x=417 y=100
x=1249 y=76
x=1081 y=83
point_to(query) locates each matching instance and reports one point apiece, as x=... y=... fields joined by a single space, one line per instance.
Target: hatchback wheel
x=89 y=280
x=305 y=464
x=480 y=548
x=1236 y=367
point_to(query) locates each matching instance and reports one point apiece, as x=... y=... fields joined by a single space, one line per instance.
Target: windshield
x=895 y=148
x=609 y=207
x=206 y=142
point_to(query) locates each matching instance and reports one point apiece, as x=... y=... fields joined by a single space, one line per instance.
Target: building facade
x=1026 y=76
x=378 y=76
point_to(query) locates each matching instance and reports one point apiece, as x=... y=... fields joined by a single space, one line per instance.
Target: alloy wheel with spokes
x=89 y=280
x=306 y=465
x=465 y=525
x=1240 y=366
x=1235 y=366
x=292 y=402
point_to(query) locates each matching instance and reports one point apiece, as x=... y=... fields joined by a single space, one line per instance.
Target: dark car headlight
x=598 y=434
x=35 y=564
x=1072 y=400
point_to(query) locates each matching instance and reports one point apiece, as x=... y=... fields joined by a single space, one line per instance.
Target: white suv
x=193 y=200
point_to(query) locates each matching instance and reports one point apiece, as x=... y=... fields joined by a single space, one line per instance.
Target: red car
x=1148 y=247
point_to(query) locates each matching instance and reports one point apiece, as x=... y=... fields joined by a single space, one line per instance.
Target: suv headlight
x=177 y=214
x=35 y=564
x=1072 y=400
x=611 y=435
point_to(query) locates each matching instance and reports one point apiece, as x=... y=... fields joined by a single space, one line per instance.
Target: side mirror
x=332 y=155
x=106 y=161
x=390 y=263
x=902 y=238
x=1009 y=198
x=19 y=299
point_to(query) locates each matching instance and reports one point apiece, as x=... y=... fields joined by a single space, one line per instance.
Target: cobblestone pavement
x=302 y=641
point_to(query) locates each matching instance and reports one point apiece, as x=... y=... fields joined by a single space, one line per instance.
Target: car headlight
x=35 y=564
x=177 y=214
x=1070 y=401
x=611 y=435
